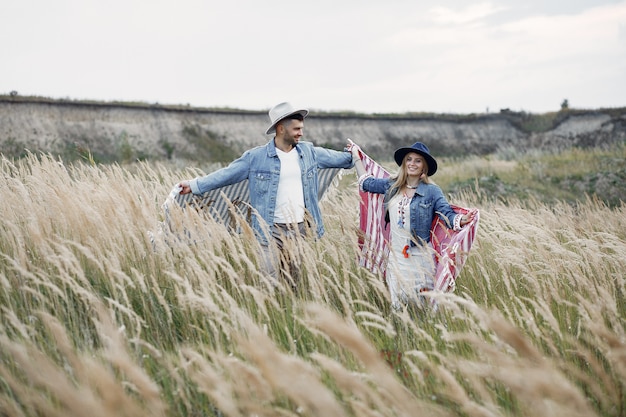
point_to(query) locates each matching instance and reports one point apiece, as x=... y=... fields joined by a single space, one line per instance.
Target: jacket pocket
x=261 y=182
x=425 y=213
x=311 y=176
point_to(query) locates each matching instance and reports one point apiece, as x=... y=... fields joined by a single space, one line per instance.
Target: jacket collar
x=421 y=188
x=271 y=148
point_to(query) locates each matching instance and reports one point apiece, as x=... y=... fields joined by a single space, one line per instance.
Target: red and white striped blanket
x=451 y=247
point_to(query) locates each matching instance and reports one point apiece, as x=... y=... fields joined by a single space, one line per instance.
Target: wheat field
x=100 y=319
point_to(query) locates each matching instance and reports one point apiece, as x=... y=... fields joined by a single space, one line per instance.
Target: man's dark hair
x=295 y=116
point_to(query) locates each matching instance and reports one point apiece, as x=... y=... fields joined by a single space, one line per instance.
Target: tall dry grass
x=97 y=319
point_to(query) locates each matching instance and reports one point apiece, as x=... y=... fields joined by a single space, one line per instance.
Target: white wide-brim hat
x=280 y=112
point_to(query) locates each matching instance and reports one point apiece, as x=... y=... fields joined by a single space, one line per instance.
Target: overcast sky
x=367 y=56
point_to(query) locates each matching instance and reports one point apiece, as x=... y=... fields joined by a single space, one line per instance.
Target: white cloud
x=471 y=13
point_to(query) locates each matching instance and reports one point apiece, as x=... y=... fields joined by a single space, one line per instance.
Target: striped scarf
x=451 y=247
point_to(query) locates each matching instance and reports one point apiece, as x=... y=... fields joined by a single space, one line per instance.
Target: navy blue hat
x=421 y=149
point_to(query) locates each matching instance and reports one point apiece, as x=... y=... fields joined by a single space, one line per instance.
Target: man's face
x=292 y=131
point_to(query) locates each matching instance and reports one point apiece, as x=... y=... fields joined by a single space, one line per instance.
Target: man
x=283 y=180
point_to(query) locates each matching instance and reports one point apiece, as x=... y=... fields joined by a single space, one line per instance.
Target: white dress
x=407 y=275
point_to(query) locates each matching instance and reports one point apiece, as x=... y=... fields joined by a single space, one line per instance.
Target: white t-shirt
x=290 y=196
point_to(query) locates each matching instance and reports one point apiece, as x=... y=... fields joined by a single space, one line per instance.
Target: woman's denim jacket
x=261 y=167
x=427 y=201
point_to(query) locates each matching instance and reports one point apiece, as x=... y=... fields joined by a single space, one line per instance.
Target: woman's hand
x=468 y=217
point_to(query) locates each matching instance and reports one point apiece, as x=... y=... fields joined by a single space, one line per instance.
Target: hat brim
x=272 y=128
x=402 y=152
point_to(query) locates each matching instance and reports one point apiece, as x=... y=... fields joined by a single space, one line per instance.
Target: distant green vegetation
x=569 y=176
x=548 y=177
x=206 y=146
x=127 y=104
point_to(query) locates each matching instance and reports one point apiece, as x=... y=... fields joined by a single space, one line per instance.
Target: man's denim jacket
x=261 y=167
x=427 y=201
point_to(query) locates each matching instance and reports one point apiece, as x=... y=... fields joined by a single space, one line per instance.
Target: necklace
x=403 y=207
x=412 y=187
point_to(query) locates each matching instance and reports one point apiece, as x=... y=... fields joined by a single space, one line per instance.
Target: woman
x=411 y=201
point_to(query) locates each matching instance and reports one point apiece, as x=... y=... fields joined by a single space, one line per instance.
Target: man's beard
x=291 y=141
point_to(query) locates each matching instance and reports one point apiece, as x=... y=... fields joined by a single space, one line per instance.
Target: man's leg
x=269 y=262
x=288 y=238
x=276 y=255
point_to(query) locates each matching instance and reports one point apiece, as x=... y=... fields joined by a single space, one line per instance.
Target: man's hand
x=184 y=187
x=354 y=149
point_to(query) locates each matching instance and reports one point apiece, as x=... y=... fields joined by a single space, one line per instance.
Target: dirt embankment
x=117 y=131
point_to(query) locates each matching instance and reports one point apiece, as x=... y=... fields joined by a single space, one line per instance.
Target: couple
x=283 y=186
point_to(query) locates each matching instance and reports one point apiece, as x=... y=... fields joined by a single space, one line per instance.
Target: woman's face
x=415 y=164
